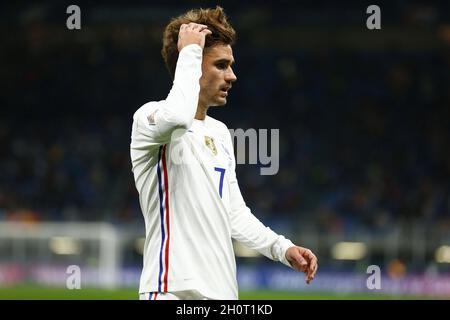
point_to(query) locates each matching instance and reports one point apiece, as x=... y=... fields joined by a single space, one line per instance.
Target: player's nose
x=230 y=76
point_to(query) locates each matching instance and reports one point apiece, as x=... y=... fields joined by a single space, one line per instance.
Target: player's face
x=217 y=75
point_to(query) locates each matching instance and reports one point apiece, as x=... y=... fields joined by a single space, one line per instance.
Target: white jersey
x=184 y=170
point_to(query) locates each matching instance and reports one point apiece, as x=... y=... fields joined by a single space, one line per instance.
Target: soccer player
x=184 y=169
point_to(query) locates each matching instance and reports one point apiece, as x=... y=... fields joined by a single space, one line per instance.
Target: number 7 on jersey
x=222 y=174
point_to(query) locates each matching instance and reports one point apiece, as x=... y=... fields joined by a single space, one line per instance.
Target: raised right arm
x=156 y=121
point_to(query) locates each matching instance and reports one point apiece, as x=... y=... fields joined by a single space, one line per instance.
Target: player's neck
x=200 y=114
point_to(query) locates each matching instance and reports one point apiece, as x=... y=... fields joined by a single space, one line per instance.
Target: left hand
x=303 y=260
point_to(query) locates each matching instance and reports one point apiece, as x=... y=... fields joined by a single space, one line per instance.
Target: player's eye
x=221 y=65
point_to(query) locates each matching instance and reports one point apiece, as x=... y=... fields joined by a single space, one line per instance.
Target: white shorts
x=177 y=295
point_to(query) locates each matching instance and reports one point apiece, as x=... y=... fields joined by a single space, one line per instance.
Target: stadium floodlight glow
x=442 y=254
x=349 y=250
x=64 y=245
x=244 y=252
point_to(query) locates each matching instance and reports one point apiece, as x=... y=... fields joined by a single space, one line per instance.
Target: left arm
x=248 y=230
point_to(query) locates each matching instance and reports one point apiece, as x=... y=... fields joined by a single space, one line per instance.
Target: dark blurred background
x=363 y=114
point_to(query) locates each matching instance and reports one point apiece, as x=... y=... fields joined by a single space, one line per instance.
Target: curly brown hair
x=215 y=19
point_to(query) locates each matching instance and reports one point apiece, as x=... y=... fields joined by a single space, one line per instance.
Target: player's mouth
x=224 y=90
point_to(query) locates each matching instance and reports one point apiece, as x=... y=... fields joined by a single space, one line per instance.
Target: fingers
x=206 y=32
x=193 y=26
x=298 y=261
x=303 y=260
x=311 y=258
x=192 y=33
x=197 y=26
x=203 y=29
x=312 y=274
x=313 y=266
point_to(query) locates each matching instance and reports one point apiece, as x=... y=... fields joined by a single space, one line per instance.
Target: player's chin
x=219 y=102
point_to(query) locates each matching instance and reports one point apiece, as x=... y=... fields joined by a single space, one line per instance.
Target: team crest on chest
x=210 y=144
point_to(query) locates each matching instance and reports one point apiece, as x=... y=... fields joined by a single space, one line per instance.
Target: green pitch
x=32 y=292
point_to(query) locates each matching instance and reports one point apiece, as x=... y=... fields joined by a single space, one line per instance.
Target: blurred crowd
x=364 y=134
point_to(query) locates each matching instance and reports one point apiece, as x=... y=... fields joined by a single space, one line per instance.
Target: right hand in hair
x=192 y=33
